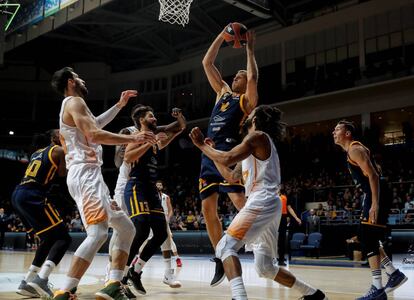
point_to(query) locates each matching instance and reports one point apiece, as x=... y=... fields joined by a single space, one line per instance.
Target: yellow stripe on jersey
x=50 y=217
x=211 y=184
x=49 y=154
x=132 y=206
x=50 y=227
x=241 y=102
x=54 y=212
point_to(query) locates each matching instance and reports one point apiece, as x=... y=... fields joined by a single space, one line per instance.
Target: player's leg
x=238 y=199
x=18 y=201
x=120 y=252
x=87 y=188
x=227 y=252
x=370 y=241
x=142 y=229
x=169 y=276
x=57 y=240
x=396 y=278
x=281 y=246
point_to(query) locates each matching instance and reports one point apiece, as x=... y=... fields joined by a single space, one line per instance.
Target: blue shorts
x=210 y=185
x=142 y=200
x=31 y=204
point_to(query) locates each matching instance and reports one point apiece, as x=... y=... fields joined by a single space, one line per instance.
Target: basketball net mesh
x=175 y=11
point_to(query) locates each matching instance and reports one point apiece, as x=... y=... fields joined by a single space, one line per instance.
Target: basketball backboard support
x=260 y=8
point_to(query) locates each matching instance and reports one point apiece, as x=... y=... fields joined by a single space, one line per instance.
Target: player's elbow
x=94 y=136
x=207 y=61
x=128 y=157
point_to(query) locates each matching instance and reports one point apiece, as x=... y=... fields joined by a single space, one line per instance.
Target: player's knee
x=227 y=246
x=370 y=248
x=67 y=239
x=265 y=268
x=98 y=233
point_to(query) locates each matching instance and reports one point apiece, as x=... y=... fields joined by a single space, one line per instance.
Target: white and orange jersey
x=78 y=149
x=262 y=175
x=164 y=205
x=123 y=176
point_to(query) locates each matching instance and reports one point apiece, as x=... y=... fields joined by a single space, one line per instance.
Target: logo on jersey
x=245 y=175
x=218 y=118
x=202 y=183
x=224 y=106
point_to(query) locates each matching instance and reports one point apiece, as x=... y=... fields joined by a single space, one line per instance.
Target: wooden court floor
x=338 y=282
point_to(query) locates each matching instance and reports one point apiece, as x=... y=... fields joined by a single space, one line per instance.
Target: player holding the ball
x=232 y=105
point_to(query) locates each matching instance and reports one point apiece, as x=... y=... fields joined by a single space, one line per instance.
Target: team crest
x=224 y=106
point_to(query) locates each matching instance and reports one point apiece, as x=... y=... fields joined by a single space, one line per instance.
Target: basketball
x=235 y=35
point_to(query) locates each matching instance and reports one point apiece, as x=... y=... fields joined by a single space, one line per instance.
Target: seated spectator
x=190 y=219
x=320 y=211
x=76 y=224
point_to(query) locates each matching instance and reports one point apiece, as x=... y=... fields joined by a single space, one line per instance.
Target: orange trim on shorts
x=94 y=213
x=242 y=223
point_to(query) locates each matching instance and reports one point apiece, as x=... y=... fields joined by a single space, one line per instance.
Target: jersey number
x=143 y=206
x=32 y=169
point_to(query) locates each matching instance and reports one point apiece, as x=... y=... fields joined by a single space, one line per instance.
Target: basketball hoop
x=175 y=11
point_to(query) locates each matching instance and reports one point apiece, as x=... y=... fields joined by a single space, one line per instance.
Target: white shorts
x=87 y=187
x=257 y=223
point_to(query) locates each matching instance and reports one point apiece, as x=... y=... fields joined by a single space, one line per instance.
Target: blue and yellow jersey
x=41 y=169
x=360 y=179
x=145 y=170
x=226 y=119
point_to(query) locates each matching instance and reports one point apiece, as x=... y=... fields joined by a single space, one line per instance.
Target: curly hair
x=139 y=111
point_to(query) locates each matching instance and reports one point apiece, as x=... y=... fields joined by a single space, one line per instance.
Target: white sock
x=31 y=274
x=167 y=264
x=139 y=265
x=387 y=264
x=126 y=271
x=107 y=270
x=304 y=288
x=238 y=292
x=46 y=269
x=376 y=278
x=116 y=275
x=70 y=283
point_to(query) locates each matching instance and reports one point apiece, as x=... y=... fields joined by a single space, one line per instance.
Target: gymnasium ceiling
x=126 y=34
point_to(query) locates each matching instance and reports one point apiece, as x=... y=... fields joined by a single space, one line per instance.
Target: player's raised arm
x=172 y=130
x=213 y=75
x=252 y=95
x=105 y=118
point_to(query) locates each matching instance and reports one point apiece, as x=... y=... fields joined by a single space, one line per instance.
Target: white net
x=175 y=11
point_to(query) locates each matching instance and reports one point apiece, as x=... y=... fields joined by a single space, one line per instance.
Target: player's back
x=41 y=169
x=78 y=149
x=357 y=174
x=262 y=175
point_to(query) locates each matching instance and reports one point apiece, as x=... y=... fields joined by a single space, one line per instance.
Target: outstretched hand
x=197 y=137
x=251 y=39
x=145 y=137
x=125 y=96
x=176 y=112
